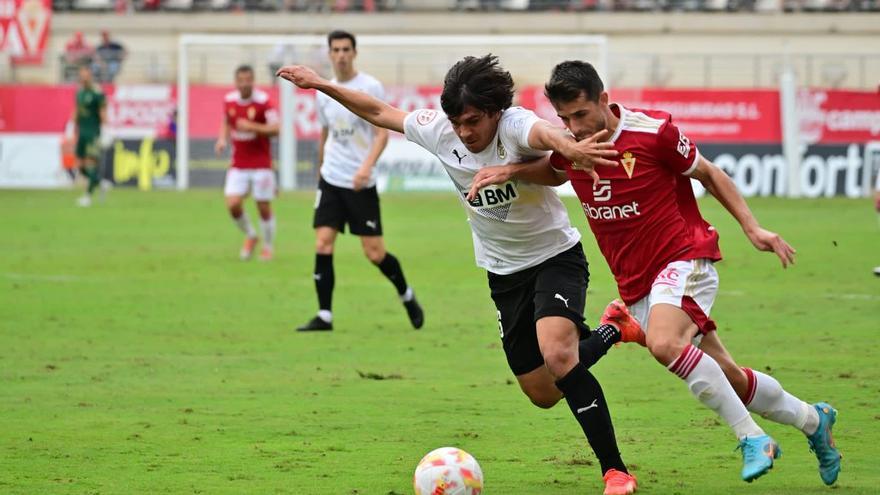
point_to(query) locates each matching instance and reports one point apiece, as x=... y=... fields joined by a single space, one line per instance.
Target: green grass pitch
x=138 y=355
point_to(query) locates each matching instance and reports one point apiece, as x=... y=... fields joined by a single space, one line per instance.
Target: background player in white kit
x=347 y=155
x=249 y=121
x=522 y=237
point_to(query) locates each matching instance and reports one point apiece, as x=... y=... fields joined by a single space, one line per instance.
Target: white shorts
x=260 y=182
x=690 y=285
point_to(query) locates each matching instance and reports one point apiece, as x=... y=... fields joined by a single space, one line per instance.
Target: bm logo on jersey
x=491 y=197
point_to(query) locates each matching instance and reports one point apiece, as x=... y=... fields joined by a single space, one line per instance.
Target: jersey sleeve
x=677 y=152
x=516 y=124
x=424 y=127
x=558 y=162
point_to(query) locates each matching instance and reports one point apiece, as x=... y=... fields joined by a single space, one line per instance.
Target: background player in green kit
x=89 y=114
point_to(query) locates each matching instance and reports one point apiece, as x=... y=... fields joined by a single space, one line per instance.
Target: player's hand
x=244 y=125
x=487 y=176
x=587 y=154
x=766 y=240
x=220 y=147
x=361 y=178
x=300 y=75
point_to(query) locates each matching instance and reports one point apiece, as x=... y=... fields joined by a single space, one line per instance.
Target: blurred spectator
x=109 y=60
x=169 y=129
x=77 y=51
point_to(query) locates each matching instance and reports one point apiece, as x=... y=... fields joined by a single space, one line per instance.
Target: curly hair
x=477 y=82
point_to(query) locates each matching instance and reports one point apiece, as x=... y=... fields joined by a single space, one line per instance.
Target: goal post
x=396 y=60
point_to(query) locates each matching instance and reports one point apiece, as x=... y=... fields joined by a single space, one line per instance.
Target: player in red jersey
x=249 y=121
x=662 y=252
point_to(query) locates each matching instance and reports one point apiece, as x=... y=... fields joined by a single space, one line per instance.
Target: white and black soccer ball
x=448 y=471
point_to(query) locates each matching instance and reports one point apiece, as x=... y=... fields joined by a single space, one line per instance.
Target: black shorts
x=337 y=206
x=556 y=287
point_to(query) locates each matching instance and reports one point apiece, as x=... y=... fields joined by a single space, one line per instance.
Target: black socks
x=390 y=267
x=592 y=348
x=587 y=402
x=324 y=280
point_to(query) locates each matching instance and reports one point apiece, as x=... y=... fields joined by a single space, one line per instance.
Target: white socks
x=708 y=384
x=325 y=315
x=770 y=400
x=267 y=227
x=244 y=225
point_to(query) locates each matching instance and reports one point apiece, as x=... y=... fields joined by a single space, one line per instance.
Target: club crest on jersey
x=251 y=113
x=502 y=153
x=425 y=117
x=629 y=163
x=494 y=196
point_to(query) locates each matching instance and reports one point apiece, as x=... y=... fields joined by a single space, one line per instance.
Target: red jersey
x=249 y=149
x=644 y=213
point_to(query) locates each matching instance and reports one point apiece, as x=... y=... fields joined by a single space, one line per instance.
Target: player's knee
x=374 y=253
x=323 y=247
x=560 y=360
x=664 y=350
x=265 y=212
x=235 y=209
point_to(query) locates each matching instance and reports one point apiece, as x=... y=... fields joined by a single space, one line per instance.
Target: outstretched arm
x=373 y=110
x=537 y=171
x=585 y=155
x=719 y=185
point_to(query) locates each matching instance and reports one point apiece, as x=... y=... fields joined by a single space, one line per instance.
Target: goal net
x=411 y=68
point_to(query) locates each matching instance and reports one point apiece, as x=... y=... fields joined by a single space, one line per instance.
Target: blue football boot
x=758 y=454
x=822 y=444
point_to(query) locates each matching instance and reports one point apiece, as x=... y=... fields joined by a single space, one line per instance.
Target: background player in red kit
x=249 y=122
x=662 y=252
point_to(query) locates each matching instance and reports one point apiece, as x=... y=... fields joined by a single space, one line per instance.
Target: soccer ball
x=448 y=471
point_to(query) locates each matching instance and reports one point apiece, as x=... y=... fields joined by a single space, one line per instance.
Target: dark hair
x=477 y=82
x=571 y=78
x=341 y=35
x=244 y=68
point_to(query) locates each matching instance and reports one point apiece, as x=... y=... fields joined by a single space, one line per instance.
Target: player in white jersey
x=347 y=155
x=536 y=267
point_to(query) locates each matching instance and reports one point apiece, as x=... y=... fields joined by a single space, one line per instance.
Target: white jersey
x=515 y=225
x=349 y=137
